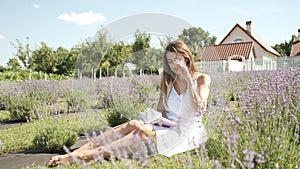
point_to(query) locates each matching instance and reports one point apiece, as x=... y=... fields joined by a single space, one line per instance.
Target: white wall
x=234 y=65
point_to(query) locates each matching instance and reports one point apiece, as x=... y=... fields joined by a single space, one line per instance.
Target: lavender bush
x=29 y=99
x=35 y=99
x=56 y=134
x=126 y=97
x=260 y=127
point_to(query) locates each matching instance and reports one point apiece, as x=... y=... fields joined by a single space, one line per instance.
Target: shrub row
x=35 y=99
x=27 y=75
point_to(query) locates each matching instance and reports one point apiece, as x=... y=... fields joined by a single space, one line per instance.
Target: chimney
x=248 y=26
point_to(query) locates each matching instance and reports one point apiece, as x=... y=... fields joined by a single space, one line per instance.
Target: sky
x=66 y=23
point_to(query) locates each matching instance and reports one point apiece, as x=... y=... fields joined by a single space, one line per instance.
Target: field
x=252 y=118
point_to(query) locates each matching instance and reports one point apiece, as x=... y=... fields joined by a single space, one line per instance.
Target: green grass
x=184 y=160
x=4 y=115
x=21 y=137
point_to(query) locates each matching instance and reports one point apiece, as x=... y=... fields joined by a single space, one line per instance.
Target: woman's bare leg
x=119 y=148
x=110 y=135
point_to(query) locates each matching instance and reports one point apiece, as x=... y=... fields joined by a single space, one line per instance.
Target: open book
x=154 y=117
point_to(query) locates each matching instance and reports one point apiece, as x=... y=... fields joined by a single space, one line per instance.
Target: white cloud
x=83 y=18
x=36 y=6
x=240 y=11
x=2 y=37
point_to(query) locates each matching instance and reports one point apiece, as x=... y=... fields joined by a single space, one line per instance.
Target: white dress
x=188 y=134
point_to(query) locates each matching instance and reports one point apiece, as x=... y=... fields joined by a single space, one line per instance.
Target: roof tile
x=224 y=51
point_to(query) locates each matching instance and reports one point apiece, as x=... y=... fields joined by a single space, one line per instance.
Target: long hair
x=168 y=75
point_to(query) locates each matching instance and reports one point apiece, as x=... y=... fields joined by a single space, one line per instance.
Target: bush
x=123 y=110
x=260 y=127
x=115 y=118
x=80 y=96
x=52 y=139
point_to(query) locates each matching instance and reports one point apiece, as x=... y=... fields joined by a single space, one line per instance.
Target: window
x=237 y=40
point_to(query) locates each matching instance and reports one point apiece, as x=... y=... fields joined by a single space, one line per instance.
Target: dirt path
x=27 y=158
x=9 y=124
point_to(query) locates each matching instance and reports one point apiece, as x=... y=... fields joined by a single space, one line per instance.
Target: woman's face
x=175 y=60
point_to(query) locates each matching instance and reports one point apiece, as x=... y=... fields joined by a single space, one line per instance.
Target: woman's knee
x=148 y=129
x=129 y=126
x=134 y=123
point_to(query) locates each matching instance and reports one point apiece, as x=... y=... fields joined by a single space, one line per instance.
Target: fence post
x=92 y=73
x=100 y=76
x=30 y=74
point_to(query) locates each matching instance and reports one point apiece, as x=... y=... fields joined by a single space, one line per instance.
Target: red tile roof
x=223 y=51
x=295 y=51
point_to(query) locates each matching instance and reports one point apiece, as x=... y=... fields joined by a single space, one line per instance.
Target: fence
x=215 y=66
x=248 y=65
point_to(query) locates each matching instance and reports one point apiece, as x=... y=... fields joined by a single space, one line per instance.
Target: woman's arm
x=160 y=105
x=195 y=100
x=203 y=83
x=198 y=96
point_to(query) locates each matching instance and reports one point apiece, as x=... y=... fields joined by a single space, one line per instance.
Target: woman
x=183 y=98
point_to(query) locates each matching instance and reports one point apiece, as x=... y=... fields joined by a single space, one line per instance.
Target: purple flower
x=249 y=156
x=217 y=165
x=260 y=158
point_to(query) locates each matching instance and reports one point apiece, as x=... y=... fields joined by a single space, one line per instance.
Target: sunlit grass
x=184 y=160
x=4 y=115
x=21 y=137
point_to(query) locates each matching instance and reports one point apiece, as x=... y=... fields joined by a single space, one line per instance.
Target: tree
x=165 y=41
x=13 y=64
x=44 y=59
x=284 y=49
x=23 y=53
x=153 y=60
x=66 y=60
x=116 y=56
x=196 y=38
x=92 y=52
x=139 y=48
x=2 y=69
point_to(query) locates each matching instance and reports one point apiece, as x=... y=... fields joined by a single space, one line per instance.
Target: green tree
x=165 y=41
x=13 y=64
x=44 y=59
x=196 y=38
x=153 y=60
x=116 y=57
x=92 y=52
x=23 y=52
x=66 y=60
x=139 y=48
x=284 y=49
x=2 y=69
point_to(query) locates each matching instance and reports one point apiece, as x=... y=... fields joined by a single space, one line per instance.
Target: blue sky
x=66 y=23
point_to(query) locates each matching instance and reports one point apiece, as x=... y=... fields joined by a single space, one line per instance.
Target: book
x=154 y=117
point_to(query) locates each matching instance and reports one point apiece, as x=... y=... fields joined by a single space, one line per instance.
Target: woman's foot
x=60 y=159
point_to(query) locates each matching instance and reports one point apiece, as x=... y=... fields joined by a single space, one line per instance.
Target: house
x=241 y=45
x=230 y=56
x=295 y=51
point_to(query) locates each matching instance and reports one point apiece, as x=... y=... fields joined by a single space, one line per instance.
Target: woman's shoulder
x=201 y=76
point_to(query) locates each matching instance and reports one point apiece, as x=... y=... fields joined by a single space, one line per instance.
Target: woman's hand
x=182 y=70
